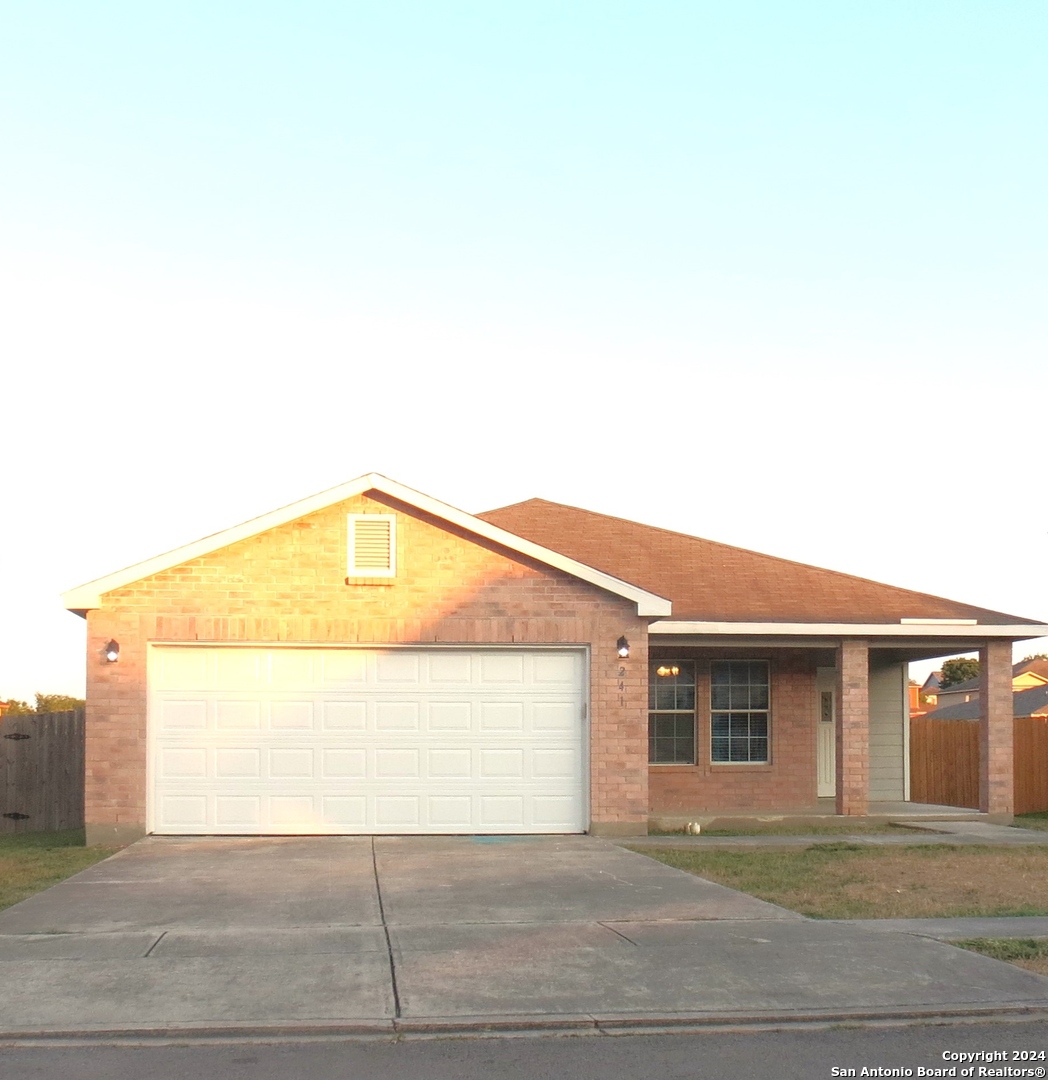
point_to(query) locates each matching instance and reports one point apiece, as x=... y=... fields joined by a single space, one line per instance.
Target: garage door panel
x=397 y=716
x=382 y=741
x=342 y=668
x=238 y=715
x=344 y=716
x=238 y=811
x=179 y=714
x=291 y=716
x=450 y=667
x=239 y=763
x=397 y=667
x=443 y=717
x=348 y=763
x=238 y=668
x=501 y=716
x=291 y=764
x=496 y=667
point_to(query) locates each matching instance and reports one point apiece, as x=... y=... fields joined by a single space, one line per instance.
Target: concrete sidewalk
x=183 y=938
x=961 y=833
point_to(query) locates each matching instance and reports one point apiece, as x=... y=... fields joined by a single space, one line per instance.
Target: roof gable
x=87 y=596
x=712 y=582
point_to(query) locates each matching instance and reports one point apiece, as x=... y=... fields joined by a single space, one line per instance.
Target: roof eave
x=909 y=629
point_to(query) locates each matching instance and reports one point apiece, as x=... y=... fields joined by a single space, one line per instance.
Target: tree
x=46 y=703
x=959 y=669
x=14 y=707
x=1035 y=656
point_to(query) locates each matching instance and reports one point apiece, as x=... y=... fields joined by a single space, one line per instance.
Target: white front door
x=826 y=712
x=256 y=740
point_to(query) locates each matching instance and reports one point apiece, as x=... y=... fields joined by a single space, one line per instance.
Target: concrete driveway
x=428 y=933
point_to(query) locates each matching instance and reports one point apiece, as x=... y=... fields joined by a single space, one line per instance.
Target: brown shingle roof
x=708 y=581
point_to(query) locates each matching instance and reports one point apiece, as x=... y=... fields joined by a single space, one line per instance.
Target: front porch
x=785 y=724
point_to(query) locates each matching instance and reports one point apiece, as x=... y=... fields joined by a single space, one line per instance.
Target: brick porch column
x=996 y=776
x=853 y=727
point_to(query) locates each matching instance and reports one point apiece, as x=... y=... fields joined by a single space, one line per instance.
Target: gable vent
x=372 y=545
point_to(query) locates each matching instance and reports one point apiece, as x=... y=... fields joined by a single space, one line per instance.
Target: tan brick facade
x=288 y=584
x=853 y=727
x=996 y=773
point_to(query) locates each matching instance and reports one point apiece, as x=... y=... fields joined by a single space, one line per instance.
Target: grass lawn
x=1032 y=821
x=846 y=881
x=1029 y=953
x=32 y=862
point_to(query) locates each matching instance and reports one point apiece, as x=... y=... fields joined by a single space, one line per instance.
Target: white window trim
x=354 y=571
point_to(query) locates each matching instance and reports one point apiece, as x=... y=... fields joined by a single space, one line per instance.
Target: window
x=739 y=710
x=671 y=713
x=372 y=540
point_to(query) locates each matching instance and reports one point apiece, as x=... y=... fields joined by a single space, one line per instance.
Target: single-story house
x=372 y=660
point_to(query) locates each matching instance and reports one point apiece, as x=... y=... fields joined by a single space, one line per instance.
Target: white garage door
x=307 y=740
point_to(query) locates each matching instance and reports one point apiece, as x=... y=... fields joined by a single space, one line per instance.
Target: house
x=1025 y=674
x=1032 y=701
x=372 y=660
x=929 y=692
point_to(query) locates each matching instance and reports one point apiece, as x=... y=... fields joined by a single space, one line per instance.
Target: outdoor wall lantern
x=623 y=647
x=112 y=651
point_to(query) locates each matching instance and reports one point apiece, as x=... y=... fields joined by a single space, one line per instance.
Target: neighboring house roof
x=710 y=582
x=1032 y=702
x=1037 y=668
x=932 y=683
x=88 y=596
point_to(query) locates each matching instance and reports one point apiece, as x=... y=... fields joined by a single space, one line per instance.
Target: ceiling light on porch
x=623 y=647
x=666 y=670
x=112 y=651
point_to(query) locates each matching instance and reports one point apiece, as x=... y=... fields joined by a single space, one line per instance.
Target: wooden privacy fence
x=42 y=772
x=944 y=762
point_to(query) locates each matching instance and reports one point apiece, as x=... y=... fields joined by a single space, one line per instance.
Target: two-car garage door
x=248 y=740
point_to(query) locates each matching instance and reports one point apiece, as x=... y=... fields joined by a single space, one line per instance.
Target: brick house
x=371 y=660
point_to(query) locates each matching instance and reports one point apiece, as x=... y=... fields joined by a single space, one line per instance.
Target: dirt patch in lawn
x=32 y=862
x=846 y=881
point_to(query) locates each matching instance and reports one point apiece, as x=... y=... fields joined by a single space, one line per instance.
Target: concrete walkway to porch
x=911 y=831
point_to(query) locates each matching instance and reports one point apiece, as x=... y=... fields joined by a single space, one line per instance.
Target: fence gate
x=42 y=772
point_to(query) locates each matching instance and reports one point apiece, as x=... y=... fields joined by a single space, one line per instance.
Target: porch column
x=996 y=776
x=853 y=727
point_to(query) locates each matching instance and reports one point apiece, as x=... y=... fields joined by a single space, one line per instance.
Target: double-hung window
x=671 y=713
x=739 y=691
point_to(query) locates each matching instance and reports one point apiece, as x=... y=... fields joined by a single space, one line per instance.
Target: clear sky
x=770 y=273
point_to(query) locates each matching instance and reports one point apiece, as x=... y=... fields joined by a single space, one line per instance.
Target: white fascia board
x=1014 y=631
x=87 y=596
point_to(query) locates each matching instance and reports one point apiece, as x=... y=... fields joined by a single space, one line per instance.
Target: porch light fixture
x=112 y=651
x=666 y=670
x=623 y=647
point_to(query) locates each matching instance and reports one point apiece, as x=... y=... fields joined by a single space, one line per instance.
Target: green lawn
x=849 y=881
x=31 y=862
x=1032 y=821
x=1029 y=953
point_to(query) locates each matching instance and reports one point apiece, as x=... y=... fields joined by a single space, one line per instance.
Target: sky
x=773 y=274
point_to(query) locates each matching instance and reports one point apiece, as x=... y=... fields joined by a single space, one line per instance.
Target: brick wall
x=289 y=585
x=787 y=782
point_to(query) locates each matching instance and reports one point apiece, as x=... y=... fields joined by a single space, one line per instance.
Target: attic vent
x=372 y=545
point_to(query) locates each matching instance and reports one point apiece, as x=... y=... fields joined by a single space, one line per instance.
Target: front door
x=826 y=711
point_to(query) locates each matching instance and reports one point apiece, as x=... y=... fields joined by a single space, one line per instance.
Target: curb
x=524 y=1026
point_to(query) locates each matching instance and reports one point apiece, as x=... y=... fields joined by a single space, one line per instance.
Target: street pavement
x=359 y=935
